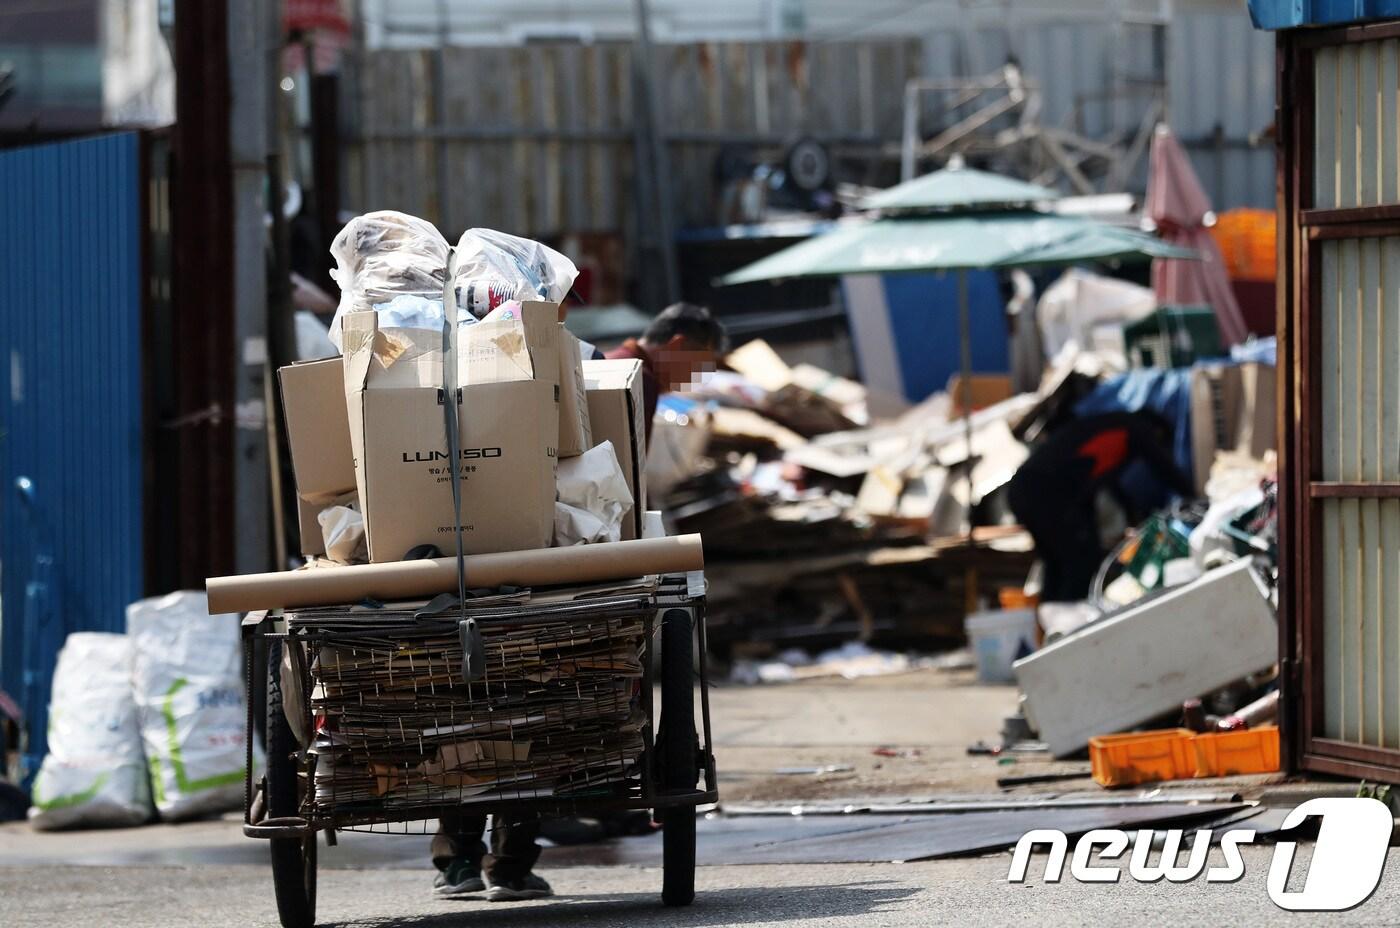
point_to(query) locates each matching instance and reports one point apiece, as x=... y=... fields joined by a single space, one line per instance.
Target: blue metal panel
x=1289 y=14
x=70 y=409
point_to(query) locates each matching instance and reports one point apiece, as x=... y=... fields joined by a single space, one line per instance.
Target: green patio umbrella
x=958 y=220
x=959 y=188
x=956 y=242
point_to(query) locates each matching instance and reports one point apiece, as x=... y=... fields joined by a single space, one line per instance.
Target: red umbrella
x=1178 y=205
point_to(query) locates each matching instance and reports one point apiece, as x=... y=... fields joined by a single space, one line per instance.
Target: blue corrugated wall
x=70 y=418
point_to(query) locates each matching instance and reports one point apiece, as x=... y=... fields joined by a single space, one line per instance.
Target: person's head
x=682 y=341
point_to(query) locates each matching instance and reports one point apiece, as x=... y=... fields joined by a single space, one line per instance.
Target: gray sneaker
x=529 y=886
x=460 y=877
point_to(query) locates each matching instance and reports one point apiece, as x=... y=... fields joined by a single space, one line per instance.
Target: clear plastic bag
x=384 y=255
x=493 y=268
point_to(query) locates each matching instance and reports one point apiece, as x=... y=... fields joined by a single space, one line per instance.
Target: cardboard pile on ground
x=818 y=529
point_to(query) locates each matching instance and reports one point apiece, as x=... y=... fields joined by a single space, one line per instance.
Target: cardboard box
x=1232 y=409
x=616 y=412
x=987 y=390
x=318 y=434
x=575 y=429
x=507 y=416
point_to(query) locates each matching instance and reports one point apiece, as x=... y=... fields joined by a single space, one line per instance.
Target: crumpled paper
x=592 y=498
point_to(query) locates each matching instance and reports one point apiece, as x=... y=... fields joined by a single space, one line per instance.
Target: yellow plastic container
x=1142 y=757
x=1228 y=753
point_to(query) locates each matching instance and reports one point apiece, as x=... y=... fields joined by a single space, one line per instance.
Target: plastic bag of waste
x=383 y=255
x=592 y=497
x=94 y=774
x=188 y=681
x=493 y=267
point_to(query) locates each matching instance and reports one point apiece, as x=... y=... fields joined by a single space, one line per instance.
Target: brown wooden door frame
x=1302 y=229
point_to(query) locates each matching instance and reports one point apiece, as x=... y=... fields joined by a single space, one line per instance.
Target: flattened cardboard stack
x=556 y=711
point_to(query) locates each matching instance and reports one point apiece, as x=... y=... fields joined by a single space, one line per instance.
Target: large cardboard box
x=616 y=411
x=318 y=434
x=508 y=425
x=1232 y=408
x=575 y=429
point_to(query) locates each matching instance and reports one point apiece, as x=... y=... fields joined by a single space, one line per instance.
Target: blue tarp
x=923 y=313
x=1165 y=392
x=1168 y=394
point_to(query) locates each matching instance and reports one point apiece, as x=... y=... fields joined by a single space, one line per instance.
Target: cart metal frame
x=677 y=599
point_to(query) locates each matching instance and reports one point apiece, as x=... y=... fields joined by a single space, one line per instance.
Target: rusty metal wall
x=538 y=139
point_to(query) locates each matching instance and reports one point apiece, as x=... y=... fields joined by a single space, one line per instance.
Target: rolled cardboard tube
x=397 y=580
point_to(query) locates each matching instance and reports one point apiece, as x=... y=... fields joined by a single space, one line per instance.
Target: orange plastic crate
x=1227 y=753
x=1142 y=757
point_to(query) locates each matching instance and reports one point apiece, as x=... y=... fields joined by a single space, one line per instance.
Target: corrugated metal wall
x=1355 y=165
x=1356 y=125
x=1361 y=443
x=1218 y=71
x=538 y=139
x=70 y=418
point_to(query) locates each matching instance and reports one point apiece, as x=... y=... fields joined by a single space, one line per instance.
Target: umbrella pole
x=970 y=591
x=965 y=399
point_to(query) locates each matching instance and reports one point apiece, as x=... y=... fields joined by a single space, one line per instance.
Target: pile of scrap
x=823 y=524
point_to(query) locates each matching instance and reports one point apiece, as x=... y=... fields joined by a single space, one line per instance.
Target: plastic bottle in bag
x=494 y=267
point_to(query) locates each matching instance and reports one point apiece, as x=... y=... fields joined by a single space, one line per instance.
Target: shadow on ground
x=778 y=904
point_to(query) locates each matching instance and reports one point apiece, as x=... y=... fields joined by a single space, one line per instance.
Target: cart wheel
x=679 y=746
x=293 y=859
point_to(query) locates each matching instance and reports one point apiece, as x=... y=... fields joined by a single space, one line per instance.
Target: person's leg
x=457 y=851
x=513 y=854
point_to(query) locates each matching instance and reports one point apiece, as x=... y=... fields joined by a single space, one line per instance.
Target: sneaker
x=460 y=877
x=529 y=886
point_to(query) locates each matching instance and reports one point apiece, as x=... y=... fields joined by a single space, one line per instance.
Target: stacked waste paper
x=553 y=711
x=367 y=429
x=459 y=434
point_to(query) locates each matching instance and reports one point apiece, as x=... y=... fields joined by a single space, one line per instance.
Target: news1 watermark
x=1347 y=861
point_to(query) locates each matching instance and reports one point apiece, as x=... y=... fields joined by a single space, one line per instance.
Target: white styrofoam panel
x=1144 y=661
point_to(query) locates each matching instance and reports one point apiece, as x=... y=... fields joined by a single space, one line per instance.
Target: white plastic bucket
x=998 y=638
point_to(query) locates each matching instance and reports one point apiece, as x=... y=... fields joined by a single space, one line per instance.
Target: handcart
x=384 y=718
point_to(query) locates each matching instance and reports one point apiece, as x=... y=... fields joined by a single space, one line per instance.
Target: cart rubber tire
x=679 y=749
x=293 y=859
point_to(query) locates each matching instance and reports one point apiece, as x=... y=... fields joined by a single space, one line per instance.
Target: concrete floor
x=971 y=892
x=207 y=874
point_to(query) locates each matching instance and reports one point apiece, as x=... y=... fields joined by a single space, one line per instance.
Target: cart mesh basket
x=413 y=709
